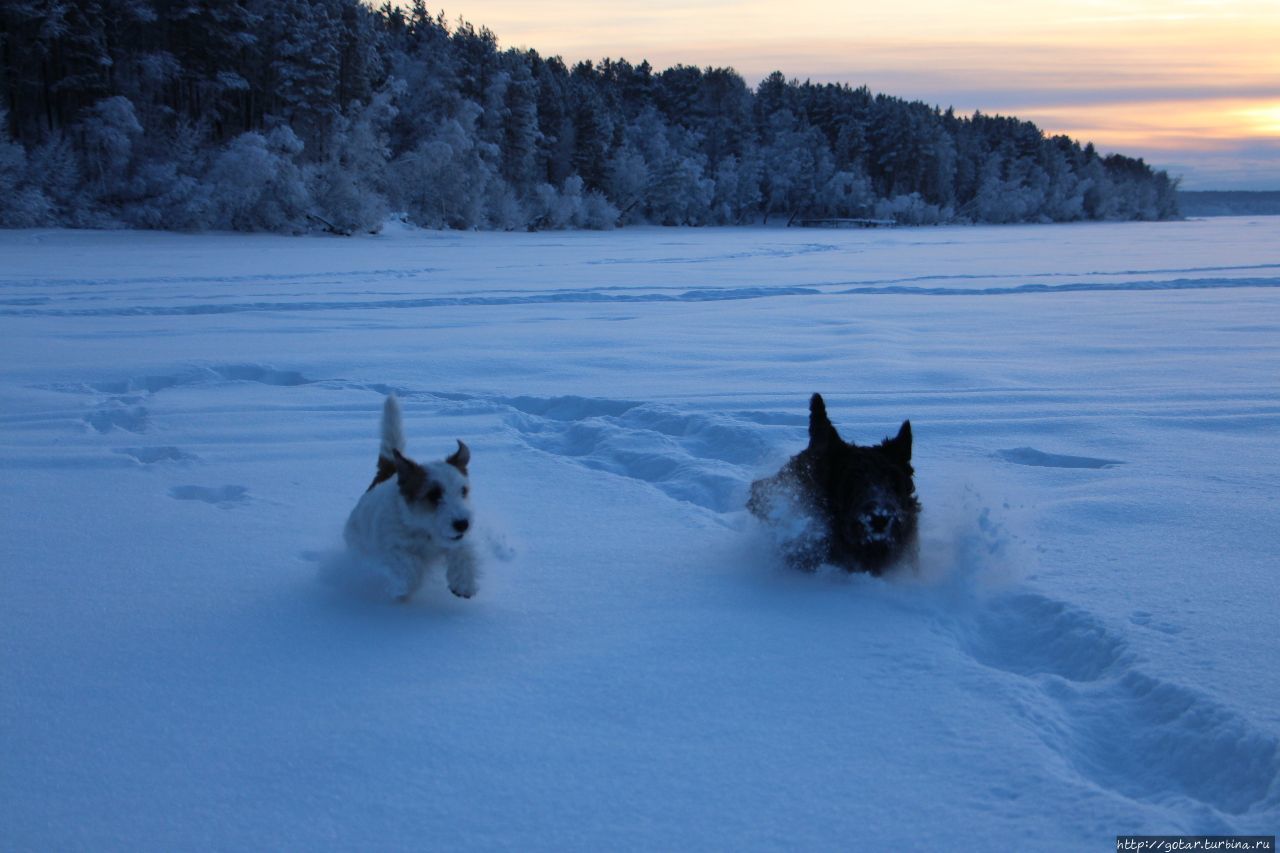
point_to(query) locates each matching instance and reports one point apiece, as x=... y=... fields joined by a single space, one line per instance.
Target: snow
x=1088 y=648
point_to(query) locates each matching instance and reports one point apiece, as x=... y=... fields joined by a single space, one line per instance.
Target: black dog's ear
x=461 y=457
x=899 y=447
x=822 y=435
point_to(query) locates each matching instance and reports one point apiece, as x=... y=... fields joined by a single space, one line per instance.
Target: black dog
x=857 y=505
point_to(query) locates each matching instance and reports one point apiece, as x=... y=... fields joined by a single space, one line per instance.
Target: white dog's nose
x=461 y=524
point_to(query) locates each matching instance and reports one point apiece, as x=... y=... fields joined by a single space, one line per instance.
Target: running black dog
x=835 y=502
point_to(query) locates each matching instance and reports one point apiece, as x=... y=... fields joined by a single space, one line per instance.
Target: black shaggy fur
x=862 y=499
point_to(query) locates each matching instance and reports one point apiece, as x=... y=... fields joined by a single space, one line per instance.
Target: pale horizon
x=1192 y=87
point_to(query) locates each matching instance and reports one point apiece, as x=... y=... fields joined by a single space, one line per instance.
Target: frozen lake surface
x=1089 y=647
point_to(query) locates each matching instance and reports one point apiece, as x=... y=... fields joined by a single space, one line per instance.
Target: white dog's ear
x=404 y=465
x=409 y=475
x=461 y=457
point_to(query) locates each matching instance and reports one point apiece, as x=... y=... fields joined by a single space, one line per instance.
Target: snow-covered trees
x=109 y=130
x=257 y=185
x=299 y=114
x=350 y=185
x=22 y=205
x=443 y=182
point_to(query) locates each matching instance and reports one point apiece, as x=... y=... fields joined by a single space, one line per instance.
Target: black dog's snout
x=878 y=512
x=880 y=522
x=461 y=525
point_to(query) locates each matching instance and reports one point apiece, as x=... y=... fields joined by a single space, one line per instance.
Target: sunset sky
x=1193 y=86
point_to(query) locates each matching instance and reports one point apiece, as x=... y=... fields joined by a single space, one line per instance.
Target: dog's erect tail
x=392 y=429
x=392 y=441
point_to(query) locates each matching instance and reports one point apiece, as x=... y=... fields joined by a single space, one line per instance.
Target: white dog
x=415 y=515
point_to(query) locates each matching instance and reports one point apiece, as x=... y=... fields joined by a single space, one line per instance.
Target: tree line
x=293 y=115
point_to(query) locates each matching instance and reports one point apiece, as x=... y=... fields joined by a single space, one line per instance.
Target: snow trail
x=1086 y=647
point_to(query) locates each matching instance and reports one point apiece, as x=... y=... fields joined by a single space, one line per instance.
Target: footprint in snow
x=1145 y=619
x=118 y=414
x=221 y=496
x=1138 y=735
x=704 y=459
x=1040 y=459
x=152 y=455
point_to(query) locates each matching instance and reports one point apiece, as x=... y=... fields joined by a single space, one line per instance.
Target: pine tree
x=141 y=111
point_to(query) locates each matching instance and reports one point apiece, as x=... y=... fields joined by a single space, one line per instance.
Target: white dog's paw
x=463 y=588
x=402 y=585
x=462 y=572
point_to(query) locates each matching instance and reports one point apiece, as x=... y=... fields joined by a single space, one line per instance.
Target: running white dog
x=415 y=515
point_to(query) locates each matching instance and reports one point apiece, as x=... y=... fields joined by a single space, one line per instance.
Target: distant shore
x=1229 y=203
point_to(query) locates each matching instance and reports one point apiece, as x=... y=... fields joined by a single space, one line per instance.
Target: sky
x=1192 y=86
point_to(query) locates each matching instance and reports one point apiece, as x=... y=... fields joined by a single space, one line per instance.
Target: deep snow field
x=1088 y=648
